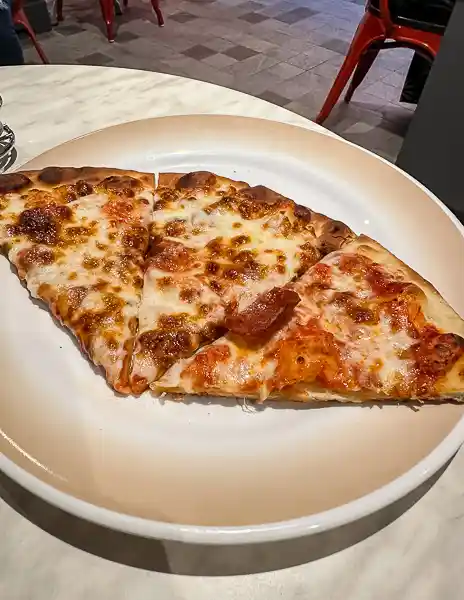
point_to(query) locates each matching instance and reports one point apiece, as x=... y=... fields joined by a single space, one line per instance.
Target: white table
x=420 y=556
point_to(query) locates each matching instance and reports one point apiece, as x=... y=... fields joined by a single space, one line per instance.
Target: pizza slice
x=78 y=238
x=364 y=327
x=217 y=244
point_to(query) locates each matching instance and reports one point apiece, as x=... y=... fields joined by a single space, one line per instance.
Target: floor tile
x=240 y=52
x=253 y=17
x=312 y=57
x=284 y=71
x=305 y=84
x=384 y=91
x=219 y=44
x=337 y=45
x=182 y=17
x=295 y=15
x=199 y=52
x=126 y=36
x=219 y=60
x=70 y=28
x=252 y=65
x=97 y=58
x=252 y=6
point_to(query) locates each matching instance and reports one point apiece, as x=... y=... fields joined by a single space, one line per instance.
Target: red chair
x=20 y=18
x=380 y=28
x=107 y=8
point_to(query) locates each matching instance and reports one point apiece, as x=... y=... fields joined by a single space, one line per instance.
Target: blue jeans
x=11 y=52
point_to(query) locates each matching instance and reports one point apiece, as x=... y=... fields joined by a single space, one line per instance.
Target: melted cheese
x=68 y=271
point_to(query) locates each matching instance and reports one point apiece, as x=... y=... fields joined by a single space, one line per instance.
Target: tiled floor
x=284 y=51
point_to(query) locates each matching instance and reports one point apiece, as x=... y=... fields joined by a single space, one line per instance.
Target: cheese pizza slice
x=218 y=244
x=78 y=238
x=362 y=326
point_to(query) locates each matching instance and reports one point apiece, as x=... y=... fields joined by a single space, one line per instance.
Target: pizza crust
x=48 y=178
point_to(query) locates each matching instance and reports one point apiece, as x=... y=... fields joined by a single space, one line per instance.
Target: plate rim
x=335 y=517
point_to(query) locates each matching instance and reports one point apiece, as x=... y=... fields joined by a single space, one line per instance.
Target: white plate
x=219 y=473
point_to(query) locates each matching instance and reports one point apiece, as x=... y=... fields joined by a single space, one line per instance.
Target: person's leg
x=428 y=11
x=11 y=52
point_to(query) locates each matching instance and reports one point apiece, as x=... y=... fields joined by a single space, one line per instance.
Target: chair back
x=426 y=15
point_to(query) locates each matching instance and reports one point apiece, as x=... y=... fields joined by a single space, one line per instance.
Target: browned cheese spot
x=239 y=240
x=172 y=256
x=215 y=246
x=89 y=322
x=189 y=295
x=69 y=301
x=212 y=268
x=175 y=228
x=35 y=257
x=164 y=347
x=309 y=256
x=90 y=262
x=135 y=237
x=164 y=282
x=35 y=198
x=41 y=224
x=77 y=235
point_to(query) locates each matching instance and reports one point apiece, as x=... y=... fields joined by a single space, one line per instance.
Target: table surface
x=416 y=547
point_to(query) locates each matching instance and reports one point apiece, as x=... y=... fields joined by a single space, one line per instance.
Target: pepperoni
x=266 y=314
x=13 y=182
x=171 y=256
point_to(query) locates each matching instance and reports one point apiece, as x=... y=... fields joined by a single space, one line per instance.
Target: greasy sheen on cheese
x=78 y=238
x=366 y=327
x=217 y=245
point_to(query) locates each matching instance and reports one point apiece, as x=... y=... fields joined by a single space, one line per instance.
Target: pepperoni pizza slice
x=78 y=238
x=363 y=326
x=218 y=244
